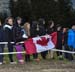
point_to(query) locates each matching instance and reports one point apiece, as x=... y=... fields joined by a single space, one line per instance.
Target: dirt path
x=43 y=66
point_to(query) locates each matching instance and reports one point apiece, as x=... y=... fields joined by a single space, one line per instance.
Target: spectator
x=9 y=36
x=17 y=31
x=42 y=31
x=34 y=31
x=27 y=32
x=59 y=41
x=71 y=41
x=65 y=38
x=50 y=29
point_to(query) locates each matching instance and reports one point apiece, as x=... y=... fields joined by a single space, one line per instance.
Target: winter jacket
x=34 y=32
x=71 y=38
x=50 y=30
x=59 y=39
x=8 y=33
x=17 y=33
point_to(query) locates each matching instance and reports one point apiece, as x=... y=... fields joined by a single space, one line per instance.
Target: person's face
x=19 y=21
x=64 y=30
x=73 y=27
x=10 y=21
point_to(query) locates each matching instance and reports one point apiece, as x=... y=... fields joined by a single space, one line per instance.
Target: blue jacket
x=71 y=38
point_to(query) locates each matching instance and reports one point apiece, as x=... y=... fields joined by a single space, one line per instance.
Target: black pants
x=60 y=48
x=27 y=57
x=35 y=56
x=68 y=55
x=44 y=54
x=10 y=49
x=1 y=51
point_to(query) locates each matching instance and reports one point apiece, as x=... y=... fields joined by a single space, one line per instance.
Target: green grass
x=6 y=58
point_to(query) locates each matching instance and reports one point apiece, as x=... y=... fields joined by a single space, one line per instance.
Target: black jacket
x=17 y=33
x=1 y=34
x=50 y=30
x=8 y=33
x=59 y=39
x=65 y=37
x=34 y=32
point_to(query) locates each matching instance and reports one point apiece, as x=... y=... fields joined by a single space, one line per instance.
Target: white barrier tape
x=10 y=42
x=12 y=53
x=51 y=50
x=71 y=52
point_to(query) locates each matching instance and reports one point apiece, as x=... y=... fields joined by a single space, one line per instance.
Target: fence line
x=56 y=50
x=10 y=42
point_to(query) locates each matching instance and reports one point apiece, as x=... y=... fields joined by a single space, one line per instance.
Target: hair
x=6 y=20
x=34 y=24
x=25 y=25
x=41 y=21
x=50 y=22
x=18 y=18
x=26 y=28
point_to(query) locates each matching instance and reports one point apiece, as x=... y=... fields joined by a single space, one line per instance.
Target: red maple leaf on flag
x=44 y=41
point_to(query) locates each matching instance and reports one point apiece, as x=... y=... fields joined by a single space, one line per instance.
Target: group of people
x=13 y=31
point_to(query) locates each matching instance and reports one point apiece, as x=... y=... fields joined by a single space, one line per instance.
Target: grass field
x=48 y=65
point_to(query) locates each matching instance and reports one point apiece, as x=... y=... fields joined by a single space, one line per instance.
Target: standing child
x=59 y=41
x=27 y=33
x=8 y=35
x=17 y=31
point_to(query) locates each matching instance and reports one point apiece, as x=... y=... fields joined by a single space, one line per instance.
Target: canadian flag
x=39 y=44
